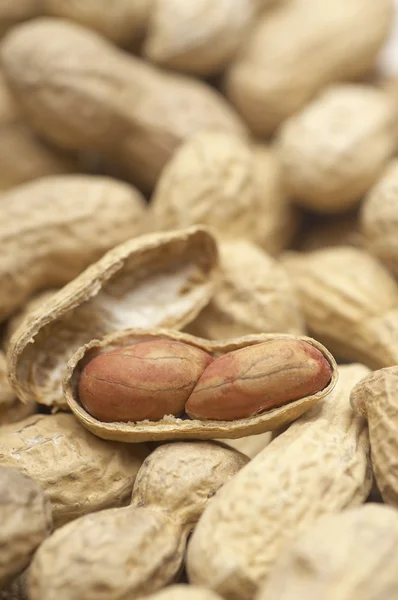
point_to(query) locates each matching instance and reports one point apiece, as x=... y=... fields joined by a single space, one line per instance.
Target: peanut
x=127 y=109
x=79 y=472
x=184 y=592
x=250 y=445
x=375 y=397
x=154 y=279
x=23 y=156
x=146 y=381
x=336 y=148
x=348 y=555
x=122 y=21
x=253 y=295
x=319 y=465
x=25 y=520
x=173 y=487
x=350 y=302
x=333 y=40
x=198 y=37
x=16 y=11
x=379 y=221
x=217 y=179
x=316 y=383
x=48 y=234
x=11 y=409
x=258 y=378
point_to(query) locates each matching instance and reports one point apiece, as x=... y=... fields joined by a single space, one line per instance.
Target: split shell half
x=155 y=280
x=175 y=428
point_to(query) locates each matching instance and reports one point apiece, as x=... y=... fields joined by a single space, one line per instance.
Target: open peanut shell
x=173 y=428
x=156 y=280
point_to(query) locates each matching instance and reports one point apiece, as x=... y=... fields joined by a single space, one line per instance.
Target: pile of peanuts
x=198 y=300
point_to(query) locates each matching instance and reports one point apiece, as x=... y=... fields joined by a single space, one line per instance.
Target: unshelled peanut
x=127 y=109
x=122 y=21
x=185 y=592
x=253 y=294
x=379 y=218
x=78 y=472
x=350 y=302
x=53 y=228
x=297 y=49
x=375 y=397
x=25 y=521
x=336 y=148
x=174 y=485
x=347 y=556
x=319 y=465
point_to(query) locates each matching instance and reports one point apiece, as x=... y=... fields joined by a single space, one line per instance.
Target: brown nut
x=145 y=381
x=258 y=378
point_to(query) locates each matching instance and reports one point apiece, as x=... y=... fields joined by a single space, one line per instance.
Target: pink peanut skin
x=258 y=378
x=147 y=380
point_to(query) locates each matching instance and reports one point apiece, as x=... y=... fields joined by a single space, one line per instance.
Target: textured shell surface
x=122 y=21
x=174 y=486
x=347 y=556
x=197 y=37
x=171 y=427
x=54 y=227
x=185 y=592
x=253 y=295
x=128 y=109
x=350 y=302
x=333 y=40
x=153 y=280
x=376 y=398
x=319 y=465
x=335 y=149
x=25 y=517
x=78 y=472
x=379 y=218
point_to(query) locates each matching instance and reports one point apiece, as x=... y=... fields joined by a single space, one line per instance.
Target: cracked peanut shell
x=172 y=427
x=160 y=279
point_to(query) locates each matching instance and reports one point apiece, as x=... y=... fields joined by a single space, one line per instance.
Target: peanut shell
x=78 y=472
x=54 y=227
x=319 y=465
x=347 y=556
x=253 y=294
x=336 y=148
x=376 y=398
x=153 y=280
x=379 y=220
x=333 y=40
x=11 y=409
x=184 y=592
x=171 y=427
x=196 y=37
x=16 y=590
x=280 y=219
x=82 y=93
x=25 y=521
x=23 y=156
x=250 y=445
x=350 y=302
x=11 y=13
x=175 y=484
x=122 y=21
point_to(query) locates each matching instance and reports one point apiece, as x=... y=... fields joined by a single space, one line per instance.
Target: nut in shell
x=25 y=521
x=78 y=472
x=172 y=427
x=175 y=484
